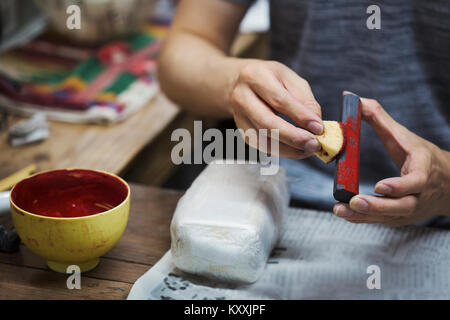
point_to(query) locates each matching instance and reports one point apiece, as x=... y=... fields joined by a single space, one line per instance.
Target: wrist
x=233 y=67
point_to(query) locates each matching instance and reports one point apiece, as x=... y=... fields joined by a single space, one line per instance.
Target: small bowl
x=70 y=216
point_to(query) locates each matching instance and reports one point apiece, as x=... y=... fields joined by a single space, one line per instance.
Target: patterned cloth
x=79 y=84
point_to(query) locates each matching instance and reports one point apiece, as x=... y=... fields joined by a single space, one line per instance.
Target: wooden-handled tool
x=9 y=240
x=346 y=175
x=8 y=182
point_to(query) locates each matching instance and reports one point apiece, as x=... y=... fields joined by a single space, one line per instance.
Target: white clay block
x=229 y=220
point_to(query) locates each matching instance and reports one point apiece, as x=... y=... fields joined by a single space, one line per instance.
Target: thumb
x=411 y=183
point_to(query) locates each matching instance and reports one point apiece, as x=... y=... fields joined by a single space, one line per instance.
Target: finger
x=300 y=89
x=376 y=220
x=374 y=113
x=394 y=136
x=373 y=205
x=343 y=210
x=269 y=88
x=400 y=222
x=412 y=183
x=262 y=117
x=372 y=220
x=283 y=150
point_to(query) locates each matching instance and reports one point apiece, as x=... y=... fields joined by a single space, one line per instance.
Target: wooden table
x=24 y=275
x=110 y=148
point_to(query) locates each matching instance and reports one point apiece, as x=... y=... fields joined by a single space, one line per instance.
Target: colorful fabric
x=79 y=84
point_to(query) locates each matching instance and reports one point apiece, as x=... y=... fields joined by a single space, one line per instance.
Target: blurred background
x=90 y=98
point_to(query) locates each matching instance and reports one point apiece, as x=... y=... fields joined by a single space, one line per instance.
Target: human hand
x=422 y=190
x=263 y=88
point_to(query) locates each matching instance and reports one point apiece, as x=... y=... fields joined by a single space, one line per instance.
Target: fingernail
x=348 y=92
x=343 y=211
x=359 y=205
x=312 y=146
x=315 y=127
x=383 y=189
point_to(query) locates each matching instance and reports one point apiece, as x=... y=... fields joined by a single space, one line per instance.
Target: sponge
x=332 y=141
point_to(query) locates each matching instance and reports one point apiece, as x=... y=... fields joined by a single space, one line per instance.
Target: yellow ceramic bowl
x=46 y=211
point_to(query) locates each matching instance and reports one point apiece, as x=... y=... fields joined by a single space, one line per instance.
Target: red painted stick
x=346 y=175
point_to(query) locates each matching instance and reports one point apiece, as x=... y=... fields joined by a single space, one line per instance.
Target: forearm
x=197 y=75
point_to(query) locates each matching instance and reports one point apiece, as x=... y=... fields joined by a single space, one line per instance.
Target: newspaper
x=320 y=256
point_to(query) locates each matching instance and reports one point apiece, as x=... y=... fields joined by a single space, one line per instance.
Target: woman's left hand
x=423 y=189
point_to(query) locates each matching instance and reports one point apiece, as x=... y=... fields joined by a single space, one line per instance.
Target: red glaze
x=69 y=193
x=348 y=169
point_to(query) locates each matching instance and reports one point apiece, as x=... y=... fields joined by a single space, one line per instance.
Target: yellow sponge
x=332 y=141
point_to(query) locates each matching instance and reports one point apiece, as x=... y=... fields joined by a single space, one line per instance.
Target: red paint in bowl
x=69 y=193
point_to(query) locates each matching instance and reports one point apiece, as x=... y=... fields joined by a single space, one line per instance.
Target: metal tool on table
x=9 y=240
x=346 y=175
x=29 y=131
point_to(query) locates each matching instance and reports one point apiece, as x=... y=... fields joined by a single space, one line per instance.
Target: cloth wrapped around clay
x=229 y=220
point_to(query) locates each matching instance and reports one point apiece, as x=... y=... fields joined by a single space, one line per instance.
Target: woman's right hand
x=263 y=88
